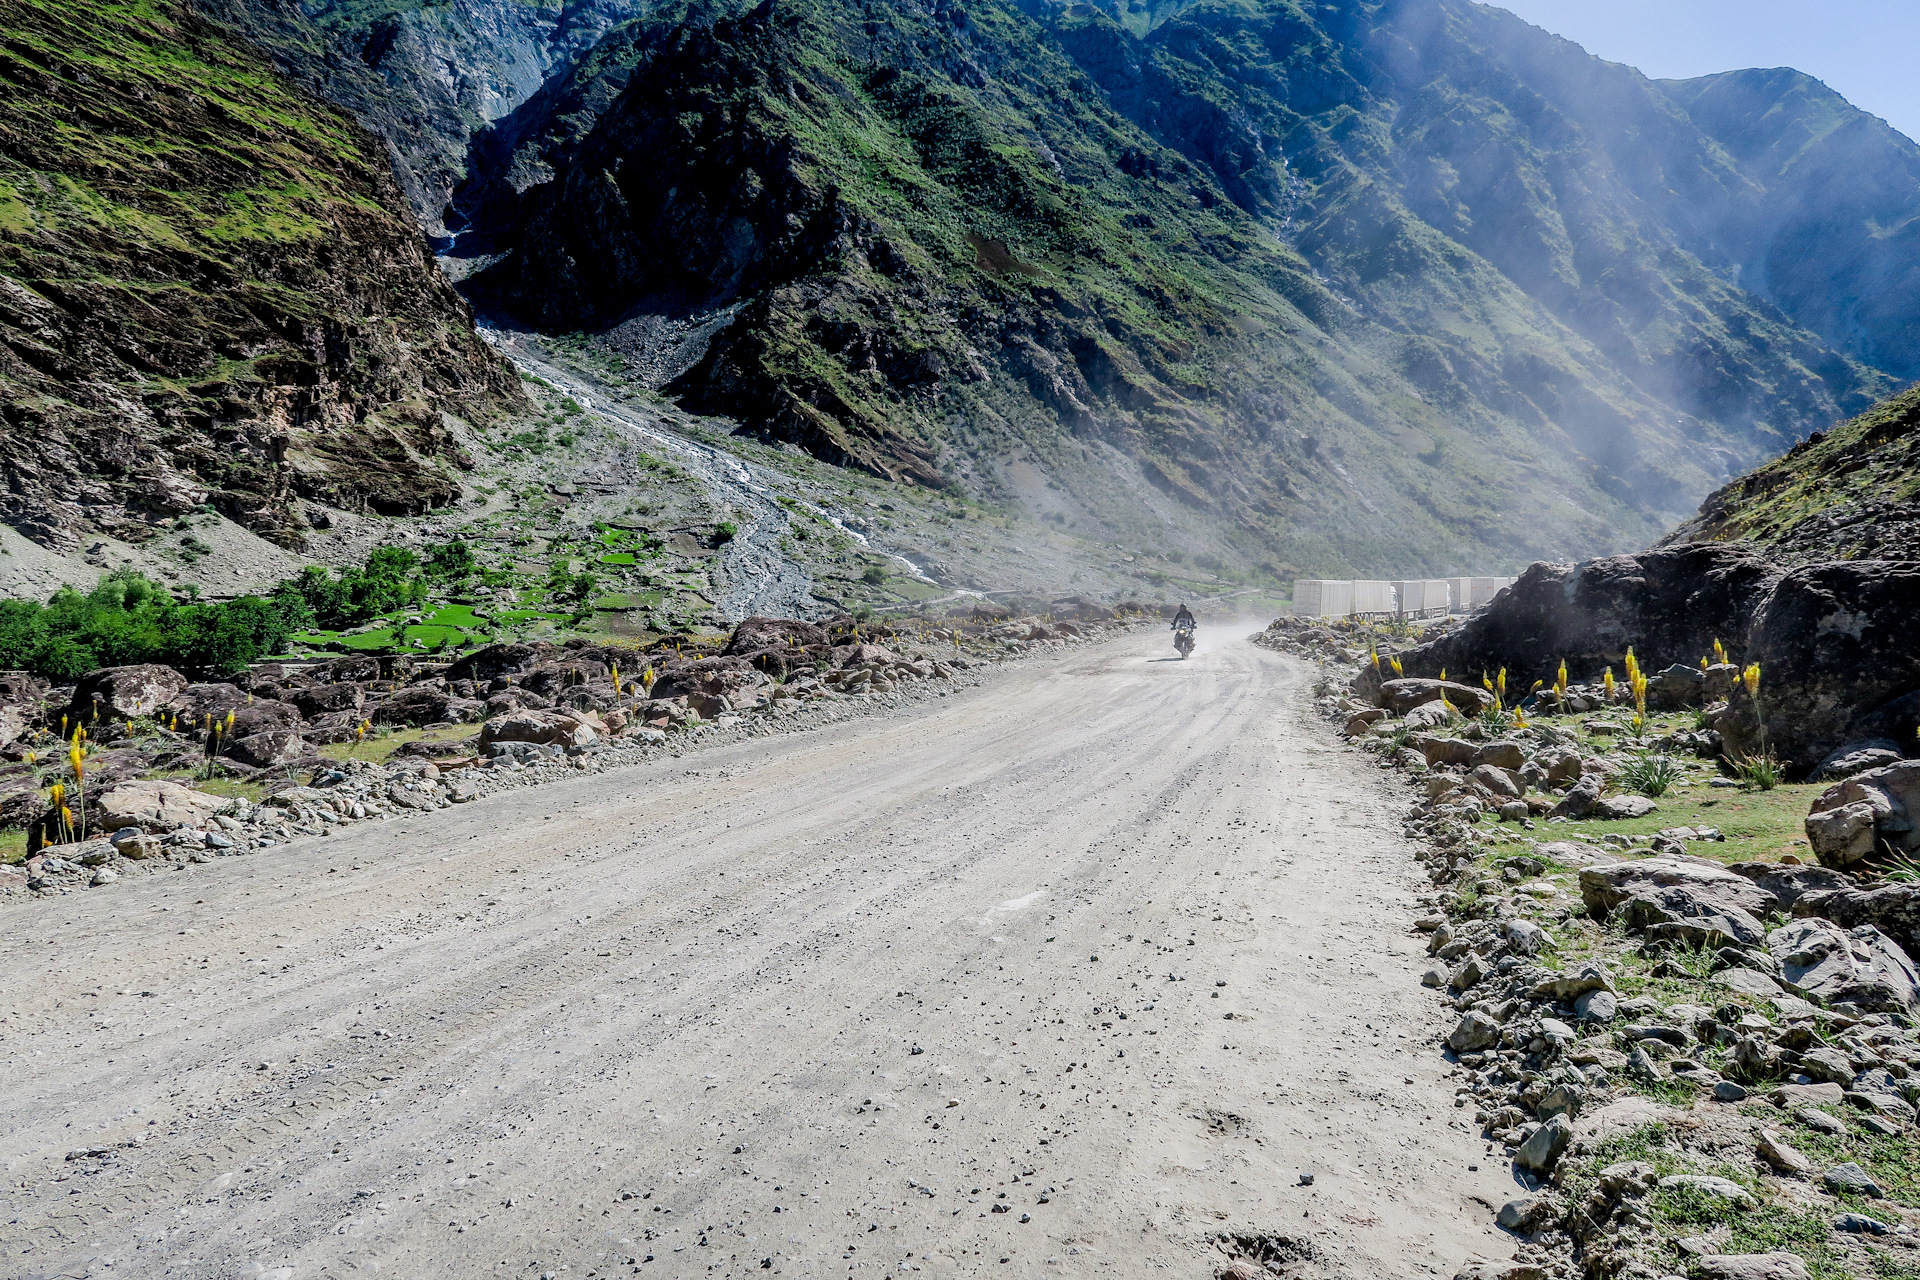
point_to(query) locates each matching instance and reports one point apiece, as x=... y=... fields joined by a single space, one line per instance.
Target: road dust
x=1081 y=972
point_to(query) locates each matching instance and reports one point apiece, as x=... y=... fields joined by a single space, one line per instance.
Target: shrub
x=1650 y=774
x=1760 y=773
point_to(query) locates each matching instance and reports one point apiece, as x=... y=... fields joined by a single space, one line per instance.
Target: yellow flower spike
x=1751 y=678
x=1719 y=653
x=1500 y=685
x=1560 y=681
x=229 y=719
x=1443 y=673
x=66 y=816
x=1608 y=676
x=57 y=793
x=1398 y=670
x=1703 y=662
x=1485 y=682
x=1376 y=658
x=1519 y=718
x=77 y=761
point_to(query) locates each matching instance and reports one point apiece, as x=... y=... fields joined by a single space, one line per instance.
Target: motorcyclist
x=1183 y=619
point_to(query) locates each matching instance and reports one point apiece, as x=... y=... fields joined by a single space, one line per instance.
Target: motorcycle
x=1183 y=641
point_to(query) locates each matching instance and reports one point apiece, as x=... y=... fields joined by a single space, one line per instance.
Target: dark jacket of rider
x=1184 y=618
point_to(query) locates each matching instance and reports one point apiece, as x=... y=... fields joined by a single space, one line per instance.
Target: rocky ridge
x=1694 y=1067
x=557 y=712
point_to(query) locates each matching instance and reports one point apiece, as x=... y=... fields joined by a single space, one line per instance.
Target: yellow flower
x=1519 y=718
x=57 y=793
x=1486 y=683
x=1443 y=673
x=1560 y=681
x=1751 y=678
x=1398 y=670
x=77 y=760
x=1501 y=683
x=1719 y=652
x=1608 y=675
x=1376 y=658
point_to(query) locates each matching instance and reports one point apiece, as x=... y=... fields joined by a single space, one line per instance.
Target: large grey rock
x=1821 y=960
x=157 y=806
x=1581 y=800
x=1603 y=888
x=1597 y=1006
x=1850 y=1177
x=1527 y=1215
x=1549 y=1142
x=124 y=692
x=1857 y=757
x=1476 y=1031
x=1853 y=819
x=1782 y=1155
x=1706 y=1184
x=1565 y=988
x=1402 y=696
x=1619 y=807
x=1749 y=1266
x=1789 y=884
x=1748 y=982
x=1894 y=909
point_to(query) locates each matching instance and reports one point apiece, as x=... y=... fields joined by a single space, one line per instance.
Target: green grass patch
x=13 y=846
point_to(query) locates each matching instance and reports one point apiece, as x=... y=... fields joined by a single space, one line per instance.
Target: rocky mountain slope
x=1846 y=494
x=211 y=296
x=1357 y=284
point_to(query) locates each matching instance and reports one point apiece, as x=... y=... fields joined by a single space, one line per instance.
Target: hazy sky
x=1861 y=48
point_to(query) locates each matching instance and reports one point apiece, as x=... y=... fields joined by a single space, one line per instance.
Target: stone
x=1749 y=1266
x=1851 y=1179
x=1526 y=938
x=756 y=634
x=1502 y=754
x=1819 y=1121
x=1823 y=961
x=1887 y=1105
x=105 y=875
x=1750 y=982
x=1619 y=807
x=1708 y=1185
x=134 y=843
x=1673 y=890
x=1514 y=811
x=125 y=692
x=1581 y=800
x=1361 y=721
x=1528 y=1215
x=157 y=806
x=541 y=728
x=1789 y=884
x=1540 y=1152
x=1852 y=819
x=1474 y=1032
x=1562 y=1099
x=1496 y=780
x=1563 y=988
x=1597 y=1006
x=1434 y=975
x=1729 y=1091
x=1853 y=758
x=1827 y=1065
x=1402 y=696
x=1779 y=1153
x=1442 y=751
x=1894 y=909
x=1861 y=1224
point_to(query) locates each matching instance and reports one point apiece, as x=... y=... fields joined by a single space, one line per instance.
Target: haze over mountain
x=1364 y=286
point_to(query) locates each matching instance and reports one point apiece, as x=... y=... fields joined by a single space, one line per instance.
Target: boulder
x=1496 y=780
x=1855 y=818
x=1677 y=687
x=1441 y=751
x=542 y=728
x=1835 y=641
x=1749 y=1266
x=157 y=806
x=1821 y=960
x=1361 y=721
x=756 y=633
x=1850 y=758
x=21 y=696
x=491 y=662
x=1539 y=1153
x=124 y=692
x=326 y=699
x=1402 y=696
x=1475 y=1031
x=1501 y=754
x=1618 y=807
x=271 y=746
x=423 y=705
x=1894 y=909
x=1581 y=800
x=1603 y=888
x=1789 y=884
x=1528 y=1215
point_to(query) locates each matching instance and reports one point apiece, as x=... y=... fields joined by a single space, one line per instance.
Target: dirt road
x=1118 y=943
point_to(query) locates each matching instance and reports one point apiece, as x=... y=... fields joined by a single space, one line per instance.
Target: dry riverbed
x=1083 y=970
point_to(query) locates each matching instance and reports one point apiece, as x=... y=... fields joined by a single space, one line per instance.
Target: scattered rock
x=1749 y=1266
x=1820 y=960
x=1851 y=1179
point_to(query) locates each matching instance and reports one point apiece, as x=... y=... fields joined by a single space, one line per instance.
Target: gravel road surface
x=1071 y=974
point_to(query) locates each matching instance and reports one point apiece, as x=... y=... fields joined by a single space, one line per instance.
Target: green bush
x=1650 y=774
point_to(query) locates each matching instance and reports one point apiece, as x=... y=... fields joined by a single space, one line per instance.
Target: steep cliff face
x=1852 y=493
x=209 y=291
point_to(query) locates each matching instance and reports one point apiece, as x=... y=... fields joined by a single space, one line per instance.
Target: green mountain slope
x=1353 y=287
x=1846 y=494
x=209 y=292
